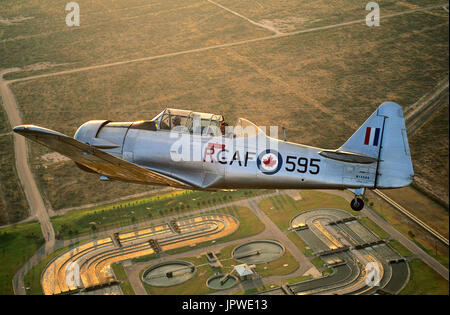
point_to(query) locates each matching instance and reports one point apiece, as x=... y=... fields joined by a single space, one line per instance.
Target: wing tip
x=33 y=129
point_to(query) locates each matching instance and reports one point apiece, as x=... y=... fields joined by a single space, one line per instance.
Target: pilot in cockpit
x=176 y=121
x=223 y=127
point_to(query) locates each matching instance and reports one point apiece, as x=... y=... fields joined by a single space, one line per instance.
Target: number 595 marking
x=301 y=165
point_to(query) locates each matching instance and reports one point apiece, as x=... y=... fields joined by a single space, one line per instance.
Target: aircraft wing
x=95 y=159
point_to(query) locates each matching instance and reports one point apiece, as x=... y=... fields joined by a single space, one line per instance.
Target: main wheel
x=357 y=204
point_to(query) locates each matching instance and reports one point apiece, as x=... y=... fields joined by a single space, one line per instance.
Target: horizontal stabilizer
x=348 y=157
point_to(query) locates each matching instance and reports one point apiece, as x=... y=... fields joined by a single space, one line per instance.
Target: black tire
x=357 y=204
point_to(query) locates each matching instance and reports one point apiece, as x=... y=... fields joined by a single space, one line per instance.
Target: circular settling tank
x=169 y=273
x=219 y=282
x=258 y=252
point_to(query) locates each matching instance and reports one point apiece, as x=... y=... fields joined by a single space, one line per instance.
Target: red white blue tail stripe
x=372 y=136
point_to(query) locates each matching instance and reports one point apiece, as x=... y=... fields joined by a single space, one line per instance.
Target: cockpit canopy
x=204 y=124
x=194 y=122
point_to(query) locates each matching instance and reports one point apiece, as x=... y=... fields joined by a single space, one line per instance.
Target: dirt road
x=35 y=202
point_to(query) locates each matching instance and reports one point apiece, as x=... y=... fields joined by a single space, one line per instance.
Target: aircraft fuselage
x=230 y=163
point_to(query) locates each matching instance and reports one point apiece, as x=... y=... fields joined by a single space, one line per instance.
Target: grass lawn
x=126 y=288
x=306 y=250
x=119 y=271
x=424 y=280
x=282 y=208
x=284 y=265
x=399 y=248
x=318 y=262
x=276 y=267
x=197 y=285
x=17 y=244
x=144 y=258
x=257 y=290
x=249 y=225
x=372 y=226
x=121 y=275
x=298 y=279
x=82 y=222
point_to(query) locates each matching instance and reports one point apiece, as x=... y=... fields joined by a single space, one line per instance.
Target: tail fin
x=383 y=136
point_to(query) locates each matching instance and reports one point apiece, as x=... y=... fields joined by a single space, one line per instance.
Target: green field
x=424 y=280
x=100 y=219
x=249 y=225
x=17 y=244
x=258 y=289
x=374 y=228
x=399 y=248
x=121 y=275
x=305 y=249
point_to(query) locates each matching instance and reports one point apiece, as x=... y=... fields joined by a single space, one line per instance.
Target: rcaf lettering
x=222 y=155
x=247 y=157
x=210 y=149
x=236 y=157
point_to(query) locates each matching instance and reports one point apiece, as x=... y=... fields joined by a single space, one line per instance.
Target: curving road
x=35 y=202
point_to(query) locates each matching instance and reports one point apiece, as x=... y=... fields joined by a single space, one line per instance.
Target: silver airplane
x=193 y=150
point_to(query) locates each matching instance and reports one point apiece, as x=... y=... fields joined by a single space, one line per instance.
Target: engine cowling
x=104 y=134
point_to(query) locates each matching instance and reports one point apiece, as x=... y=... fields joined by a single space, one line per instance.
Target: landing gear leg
x=357 y=204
